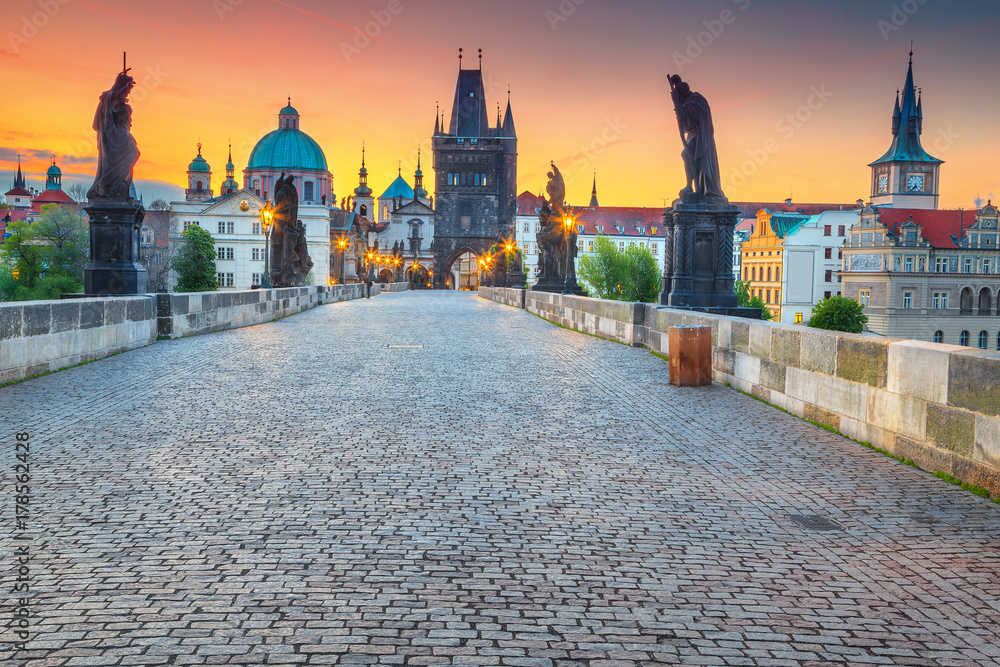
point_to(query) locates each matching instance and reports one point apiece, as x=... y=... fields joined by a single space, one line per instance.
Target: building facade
x=928 y=275
x=475 y=167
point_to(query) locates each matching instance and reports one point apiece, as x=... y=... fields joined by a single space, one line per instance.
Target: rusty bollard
x=690 y=356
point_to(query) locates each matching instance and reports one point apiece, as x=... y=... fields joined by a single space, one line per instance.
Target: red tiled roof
x=938 y=226
x=17 y=192
x=528 y=204
x=50 y=197
x=746 y=225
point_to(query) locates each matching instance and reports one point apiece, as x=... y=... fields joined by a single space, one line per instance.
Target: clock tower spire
x=907 y=176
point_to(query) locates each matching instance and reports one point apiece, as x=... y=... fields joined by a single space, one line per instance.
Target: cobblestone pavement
x=316 y=491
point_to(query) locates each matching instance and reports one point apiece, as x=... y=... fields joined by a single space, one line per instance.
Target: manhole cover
x=814 y=522
x=405 y=347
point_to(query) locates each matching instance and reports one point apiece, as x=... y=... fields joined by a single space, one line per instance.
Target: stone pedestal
x=114 y=267
x=698 y=267
x=690 y=349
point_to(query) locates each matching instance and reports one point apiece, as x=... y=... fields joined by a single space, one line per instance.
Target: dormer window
x=600 y=229
x=620 y=229
x=641 y=230
x=579 y=229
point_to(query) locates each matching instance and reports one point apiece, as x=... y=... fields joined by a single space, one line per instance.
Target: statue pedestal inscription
x=114 y=267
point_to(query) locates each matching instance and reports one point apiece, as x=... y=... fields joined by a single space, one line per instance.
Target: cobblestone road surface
x=315 y=491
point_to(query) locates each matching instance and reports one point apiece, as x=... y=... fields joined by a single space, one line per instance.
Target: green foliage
x=971 y=488
x=195 y=262
x=744 y=300
x=620 y=276
x=839 y=313
x=49 y=255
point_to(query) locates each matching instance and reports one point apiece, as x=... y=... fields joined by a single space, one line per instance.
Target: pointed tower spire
x=593 y=194
x=363 y=190
x=896 y=115
x=508 y=120
x=418 y=180
x=19 y=179
x=437 y=119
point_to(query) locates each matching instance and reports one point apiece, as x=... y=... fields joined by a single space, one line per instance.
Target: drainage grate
x=814 y=522
x=405 y=347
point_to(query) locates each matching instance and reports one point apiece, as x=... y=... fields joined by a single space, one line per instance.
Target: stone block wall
x=938 y=405
x=37 y=337
x=507 y=296
x=41 y=336
x=194 y=313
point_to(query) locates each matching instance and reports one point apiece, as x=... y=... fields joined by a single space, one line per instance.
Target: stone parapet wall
x=505 y=295
x=37 y=337
x=938 y=405
x=392 y=288
x=189 y=314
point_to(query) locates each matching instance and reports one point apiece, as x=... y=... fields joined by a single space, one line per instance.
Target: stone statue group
x=290 y=260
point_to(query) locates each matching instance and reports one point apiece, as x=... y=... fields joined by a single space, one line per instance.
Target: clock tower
x=907 y=176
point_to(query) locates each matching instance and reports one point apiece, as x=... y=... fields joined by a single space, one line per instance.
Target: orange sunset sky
x=587 y=80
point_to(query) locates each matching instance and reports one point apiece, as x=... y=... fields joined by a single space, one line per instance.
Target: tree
x=48 y=254
x=620 y=276
x=744 y=300
x=158 y=205
x=602 y=271
x=839 y=313
x=195 y=262
x=78 y=191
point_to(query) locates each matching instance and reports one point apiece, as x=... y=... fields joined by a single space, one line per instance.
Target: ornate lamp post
x=266 y=220
x=342 y=242
x=568 y=221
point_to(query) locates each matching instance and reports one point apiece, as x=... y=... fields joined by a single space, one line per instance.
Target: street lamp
x=568 y=288
x=342 y=242
x=266 y=220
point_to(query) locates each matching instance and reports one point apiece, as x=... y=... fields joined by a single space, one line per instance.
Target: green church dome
x=54 y=171
x=199 y=164
x=287 y=149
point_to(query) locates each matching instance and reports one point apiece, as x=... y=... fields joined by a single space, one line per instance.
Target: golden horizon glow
x=799 y=116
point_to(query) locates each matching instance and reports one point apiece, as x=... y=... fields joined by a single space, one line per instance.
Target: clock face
x=883 y=183
x=915 y=183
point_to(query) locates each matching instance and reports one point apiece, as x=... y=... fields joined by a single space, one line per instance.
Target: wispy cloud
x=323 y=18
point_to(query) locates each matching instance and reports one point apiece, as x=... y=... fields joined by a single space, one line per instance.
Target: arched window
x=777 y=274
x=982 y=340
x=364 y=211
x=769 y=274
x=938 y=336
x=966 y=302
x=963 y=339
x=753 y=273
x=198 y=185
x=985 y=301
x=307 y=191
x=746 y=273
x=998 y=341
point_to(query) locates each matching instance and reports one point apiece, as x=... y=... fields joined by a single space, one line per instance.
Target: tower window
x=307 y=191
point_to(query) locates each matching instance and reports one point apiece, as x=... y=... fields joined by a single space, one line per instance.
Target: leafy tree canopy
x=48 y=256
x=612 y=274
x=838 y=313
x=195 y=262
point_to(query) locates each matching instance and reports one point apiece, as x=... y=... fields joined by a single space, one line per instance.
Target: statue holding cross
x=117 y=151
